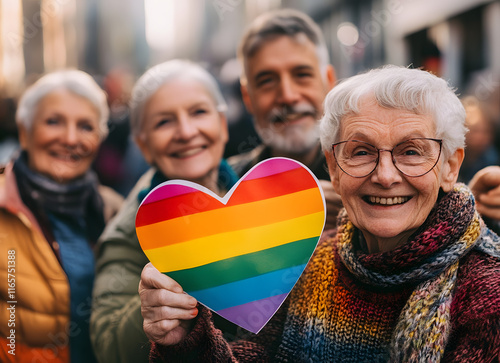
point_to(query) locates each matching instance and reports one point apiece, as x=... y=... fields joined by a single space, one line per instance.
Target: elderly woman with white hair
x=412 y=274
x=179 y=123
x=52 y=211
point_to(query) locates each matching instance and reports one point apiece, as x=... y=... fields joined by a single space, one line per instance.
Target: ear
x=332 y=170
x=246 y=97
x=23 y=137
x=450 y=170
x=140 y=140
x=331 y=77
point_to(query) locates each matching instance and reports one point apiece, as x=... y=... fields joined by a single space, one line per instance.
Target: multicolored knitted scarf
x=427 y=265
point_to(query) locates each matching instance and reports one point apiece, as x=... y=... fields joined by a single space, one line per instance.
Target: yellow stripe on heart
x=224 y=245
x=259 y=213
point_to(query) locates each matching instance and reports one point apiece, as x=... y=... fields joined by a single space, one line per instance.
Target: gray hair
x=166 y=72
x=74 y=81
x=397 y=87
x=281 y=22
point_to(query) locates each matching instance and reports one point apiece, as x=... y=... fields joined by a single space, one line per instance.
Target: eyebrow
x=360 y=136
x=172 y=113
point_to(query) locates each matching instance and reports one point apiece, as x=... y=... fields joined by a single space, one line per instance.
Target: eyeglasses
x=413 y=157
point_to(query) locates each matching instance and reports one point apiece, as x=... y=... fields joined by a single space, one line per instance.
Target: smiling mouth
x=291 y=117
x=67 y=157
x=387 y=201
x=188 y=153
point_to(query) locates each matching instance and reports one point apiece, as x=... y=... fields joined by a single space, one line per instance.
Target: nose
x=186 y=129
x=71 y=135
x=386 y=173
x=288 y=91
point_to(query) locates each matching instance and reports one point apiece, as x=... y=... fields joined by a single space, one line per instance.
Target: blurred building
x=456 y=37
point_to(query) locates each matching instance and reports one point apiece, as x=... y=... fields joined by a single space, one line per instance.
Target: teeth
x=67 y=157
x=389 y=201
x=189 y=152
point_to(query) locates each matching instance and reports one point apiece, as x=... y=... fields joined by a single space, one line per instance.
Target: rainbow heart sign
x=239 y=255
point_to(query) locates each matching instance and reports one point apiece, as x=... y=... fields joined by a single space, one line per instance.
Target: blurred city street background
x=117 y=40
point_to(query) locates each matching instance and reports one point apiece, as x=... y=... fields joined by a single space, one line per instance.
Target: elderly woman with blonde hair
x=52 y=211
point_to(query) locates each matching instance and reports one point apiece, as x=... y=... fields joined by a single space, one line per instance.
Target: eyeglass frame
x=440 y=141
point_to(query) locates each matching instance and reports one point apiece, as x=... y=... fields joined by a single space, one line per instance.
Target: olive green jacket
x=116 y=322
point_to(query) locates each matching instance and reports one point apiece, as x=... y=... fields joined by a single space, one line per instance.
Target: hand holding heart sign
x=239 y=255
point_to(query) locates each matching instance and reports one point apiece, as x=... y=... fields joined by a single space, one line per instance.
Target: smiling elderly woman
x=412 y=275
x=52 y=210
x=179 y=123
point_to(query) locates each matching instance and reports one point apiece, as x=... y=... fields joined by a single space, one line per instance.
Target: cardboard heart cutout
x=239 y=255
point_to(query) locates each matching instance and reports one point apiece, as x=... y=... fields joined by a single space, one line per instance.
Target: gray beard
x=291 y=140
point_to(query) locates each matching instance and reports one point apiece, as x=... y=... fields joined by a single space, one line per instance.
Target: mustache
x=282 y=113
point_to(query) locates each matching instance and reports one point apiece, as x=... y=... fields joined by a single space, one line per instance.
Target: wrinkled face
x=64 y=137
x=388 y=205
x=183 y=134
x=285 y=91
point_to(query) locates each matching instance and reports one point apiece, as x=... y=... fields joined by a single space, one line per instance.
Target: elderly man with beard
x=286 y=75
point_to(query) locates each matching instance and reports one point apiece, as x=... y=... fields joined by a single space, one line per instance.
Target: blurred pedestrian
x=480 y=150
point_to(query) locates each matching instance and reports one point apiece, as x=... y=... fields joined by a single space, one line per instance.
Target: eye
x=162 y=122
x=304 y=74
x=362 y=151
x=410 y=152
x=86 y=126
x=200 y=111
x=265 y=81
x=410 y=149
x=52 y=121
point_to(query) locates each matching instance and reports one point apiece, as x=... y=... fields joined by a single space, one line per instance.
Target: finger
x=486 y=179
x=490 y=212
x=156 y=331
x=490 y=199
x=151 y=278
x=167 y=332
x=158 y=313
x=164 y=297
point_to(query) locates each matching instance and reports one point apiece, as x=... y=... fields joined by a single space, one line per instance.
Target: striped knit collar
x=440 y=242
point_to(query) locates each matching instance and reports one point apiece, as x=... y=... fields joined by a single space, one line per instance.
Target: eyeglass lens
x=413 y=157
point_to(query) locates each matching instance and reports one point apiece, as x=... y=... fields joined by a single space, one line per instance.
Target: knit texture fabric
x=440 y=291
x=427 y=265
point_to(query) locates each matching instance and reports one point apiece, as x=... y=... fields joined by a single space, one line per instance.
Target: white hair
x=166 y=72
x=397 y=87
x=74 y=81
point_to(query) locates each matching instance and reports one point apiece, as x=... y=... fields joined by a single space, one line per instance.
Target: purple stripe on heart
x=253 y=315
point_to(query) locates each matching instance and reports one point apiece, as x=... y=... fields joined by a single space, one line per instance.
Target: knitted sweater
x=332 y=316
x=475 y=319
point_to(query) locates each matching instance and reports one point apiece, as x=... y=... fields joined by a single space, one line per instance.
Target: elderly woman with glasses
x=412 y=274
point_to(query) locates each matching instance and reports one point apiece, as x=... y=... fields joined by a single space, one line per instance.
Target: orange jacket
x=37 y=306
